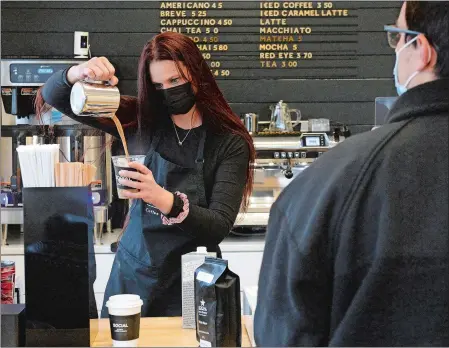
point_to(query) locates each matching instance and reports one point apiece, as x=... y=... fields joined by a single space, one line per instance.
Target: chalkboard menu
x=330 y=59
x=270 y=39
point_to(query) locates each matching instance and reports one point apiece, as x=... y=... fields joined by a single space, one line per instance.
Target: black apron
x=148 y=259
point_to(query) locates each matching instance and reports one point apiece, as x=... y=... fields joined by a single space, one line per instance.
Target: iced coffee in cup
x=121 y=163
x=124 y=319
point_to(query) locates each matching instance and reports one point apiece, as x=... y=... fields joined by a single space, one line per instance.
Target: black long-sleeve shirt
x=356 y=250
x=225 y=163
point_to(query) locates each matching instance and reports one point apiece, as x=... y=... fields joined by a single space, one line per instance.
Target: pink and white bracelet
x=182 y=215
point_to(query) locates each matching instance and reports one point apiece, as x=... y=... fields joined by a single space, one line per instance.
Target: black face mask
x=177 y=100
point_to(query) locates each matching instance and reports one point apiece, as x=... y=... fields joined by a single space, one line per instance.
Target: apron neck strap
x=200 y=154
x=153 y=146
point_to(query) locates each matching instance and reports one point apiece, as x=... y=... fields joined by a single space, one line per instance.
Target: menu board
x=269 y=39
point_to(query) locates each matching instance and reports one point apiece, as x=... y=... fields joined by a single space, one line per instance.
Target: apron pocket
x=136 y=277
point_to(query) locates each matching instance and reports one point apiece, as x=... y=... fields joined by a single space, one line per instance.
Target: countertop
x=158 y=332
x=230 y=244
x=251 y=297
x=254 y=217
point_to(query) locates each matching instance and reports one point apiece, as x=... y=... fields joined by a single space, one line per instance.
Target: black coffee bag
x=217 y=305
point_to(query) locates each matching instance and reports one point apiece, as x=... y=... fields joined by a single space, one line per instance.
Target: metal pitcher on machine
x=94 y=98
x=281 y=120
x=251 y=121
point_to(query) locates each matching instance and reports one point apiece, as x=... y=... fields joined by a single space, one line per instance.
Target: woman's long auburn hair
x=218 y=116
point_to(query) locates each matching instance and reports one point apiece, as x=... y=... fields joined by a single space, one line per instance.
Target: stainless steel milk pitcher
x=251 y=123
x=94 y=98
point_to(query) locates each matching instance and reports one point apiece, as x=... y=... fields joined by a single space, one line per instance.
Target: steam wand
x=288 y=173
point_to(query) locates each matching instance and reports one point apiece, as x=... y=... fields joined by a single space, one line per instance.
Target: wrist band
x=182 y=215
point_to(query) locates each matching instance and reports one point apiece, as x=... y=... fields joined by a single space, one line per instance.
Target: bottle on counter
x=189 y=263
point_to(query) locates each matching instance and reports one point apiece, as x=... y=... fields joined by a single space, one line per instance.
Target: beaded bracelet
x=182 y=215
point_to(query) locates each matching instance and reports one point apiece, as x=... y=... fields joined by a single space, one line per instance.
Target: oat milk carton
x=189 y=263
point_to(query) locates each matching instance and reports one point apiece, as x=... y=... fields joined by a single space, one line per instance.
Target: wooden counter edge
x=157 y=332
x=248 y=321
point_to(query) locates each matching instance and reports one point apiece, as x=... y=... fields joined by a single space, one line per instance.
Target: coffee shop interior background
x=330 y=61
x=345 y=60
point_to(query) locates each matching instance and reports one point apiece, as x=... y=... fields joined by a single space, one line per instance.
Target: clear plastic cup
x=121 y=163
x=124 y=319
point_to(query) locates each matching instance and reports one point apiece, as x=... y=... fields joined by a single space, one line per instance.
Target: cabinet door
x=99 y=300
x=246 y=265
x=104 y=266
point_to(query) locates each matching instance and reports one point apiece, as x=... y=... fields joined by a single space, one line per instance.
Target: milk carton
x=189 y=263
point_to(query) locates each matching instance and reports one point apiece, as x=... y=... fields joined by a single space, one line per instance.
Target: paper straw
x=40 y=167
x=37 y=163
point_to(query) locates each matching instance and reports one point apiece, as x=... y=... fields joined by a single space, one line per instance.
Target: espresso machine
x=284 y=148
x=20 y=80
x=279 y=159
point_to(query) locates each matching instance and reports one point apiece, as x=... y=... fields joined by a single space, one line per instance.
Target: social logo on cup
x=124 y=319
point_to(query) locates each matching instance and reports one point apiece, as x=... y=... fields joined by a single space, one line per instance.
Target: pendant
x=180 y=143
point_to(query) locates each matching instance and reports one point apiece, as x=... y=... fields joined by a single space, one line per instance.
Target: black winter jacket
x=357 y=246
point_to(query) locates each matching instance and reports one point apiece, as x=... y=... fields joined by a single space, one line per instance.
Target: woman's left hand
x=149 y=190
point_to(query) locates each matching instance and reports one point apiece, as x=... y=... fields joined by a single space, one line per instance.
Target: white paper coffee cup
x=124 y=319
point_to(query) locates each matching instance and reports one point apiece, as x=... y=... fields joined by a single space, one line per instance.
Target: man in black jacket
x=357 y=246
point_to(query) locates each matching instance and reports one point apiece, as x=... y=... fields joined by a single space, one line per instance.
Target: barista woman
x=196 y=170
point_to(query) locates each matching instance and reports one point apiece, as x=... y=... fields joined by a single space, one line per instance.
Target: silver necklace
x=180 y=142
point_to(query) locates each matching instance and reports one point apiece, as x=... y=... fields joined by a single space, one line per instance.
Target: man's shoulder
x=356 y=151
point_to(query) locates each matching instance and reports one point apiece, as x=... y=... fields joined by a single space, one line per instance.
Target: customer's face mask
x=401 y=89
x=178 y=100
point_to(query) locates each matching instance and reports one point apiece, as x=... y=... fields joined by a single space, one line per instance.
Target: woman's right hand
x=97 y=69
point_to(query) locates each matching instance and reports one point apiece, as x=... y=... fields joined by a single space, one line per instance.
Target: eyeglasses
x=394 y=34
